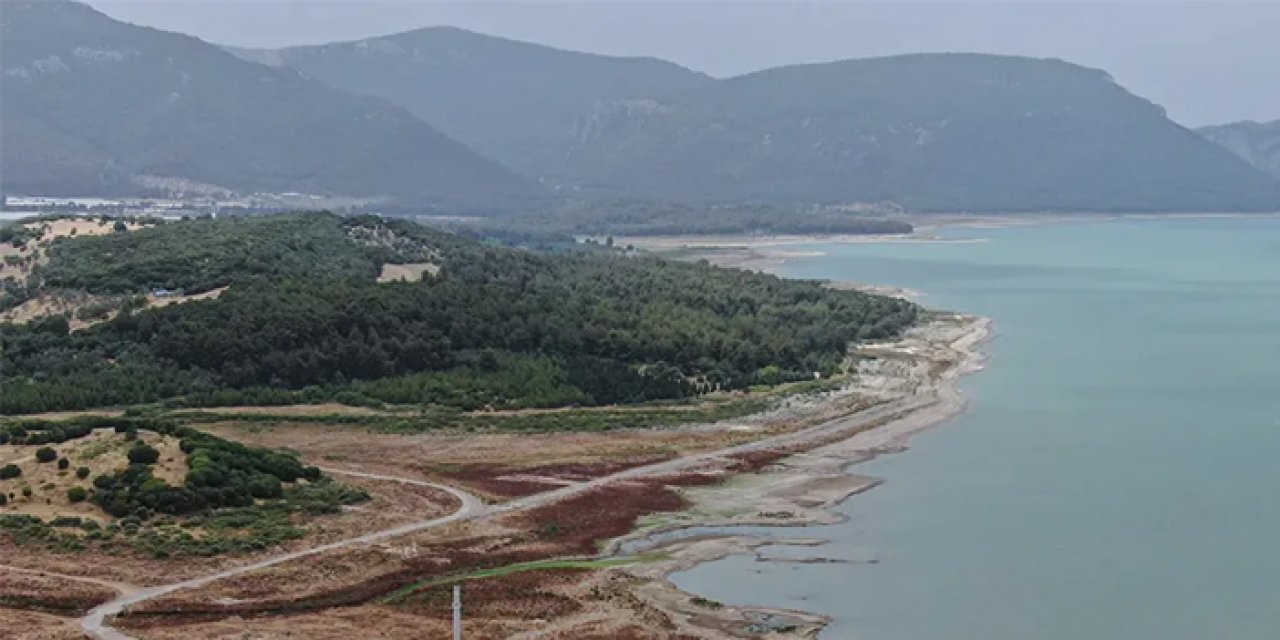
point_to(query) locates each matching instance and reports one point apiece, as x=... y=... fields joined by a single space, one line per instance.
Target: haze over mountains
x=93 y=106
x=1258 y=143
x=456 y=120
x=952 y=132
x=928 y=132
x=517 y=102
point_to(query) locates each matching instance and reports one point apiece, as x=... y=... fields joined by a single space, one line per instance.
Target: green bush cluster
x=141 y=453
x=30 y=530
x=33 y=431
x=220 y=474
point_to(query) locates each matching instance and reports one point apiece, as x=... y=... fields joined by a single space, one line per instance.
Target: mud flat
x=916 y=376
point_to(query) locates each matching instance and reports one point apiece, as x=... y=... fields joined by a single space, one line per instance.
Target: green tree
x=77 y=494
x=46 y=454
x=10 y=471
x=143 y=454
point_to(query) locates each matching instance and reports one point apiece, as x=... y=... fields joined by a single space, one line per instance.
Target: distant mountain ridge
x=1257 y=143
x=94 y=106
x=517 y=102
x=930 y=132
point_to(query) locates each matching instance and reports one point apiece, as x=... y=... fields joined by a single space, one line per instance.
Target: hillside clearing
x=407 y=272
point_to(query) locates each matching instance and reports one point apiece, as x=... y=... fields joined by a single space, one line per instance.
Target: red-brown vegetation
x=579 y=523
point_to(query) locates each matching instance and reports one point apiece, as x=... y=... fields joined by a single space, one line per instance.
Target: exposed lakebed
x=1116 y=473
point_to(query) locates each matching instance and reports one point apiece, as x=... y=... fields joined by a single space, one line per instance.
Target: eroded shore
x=915 y=378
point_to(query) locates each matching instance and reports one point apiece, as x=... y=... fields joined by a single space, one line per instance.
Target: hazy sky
x=1206 y=62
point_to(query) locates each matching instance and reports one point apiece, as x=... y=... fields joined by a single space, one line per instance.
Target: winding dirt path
x=94 y=624
x=928 y=404
x=121 y=587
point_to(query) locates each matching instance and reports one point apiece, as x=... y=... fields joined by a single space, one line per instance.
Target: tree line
x=577 y=327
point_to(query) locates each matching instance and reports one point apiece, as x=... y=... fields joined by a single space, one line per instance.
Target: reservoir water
x=1118 y=472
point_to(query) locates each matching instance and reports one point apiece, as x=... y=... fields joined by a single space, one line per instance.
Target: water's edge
x=809 y=486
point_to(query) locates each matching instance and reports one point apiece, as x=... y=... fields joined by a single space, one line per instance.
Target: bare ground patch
x=412 y=272
x=45 y=593
x=19 y=624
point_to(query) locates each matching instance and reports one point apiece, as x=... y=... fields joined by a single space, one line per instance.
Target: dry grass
x=68 y=303
x=36 y=253
x=53 y=304
x=438 y=454
x=156 y=302
x=598 y=619
x=103 y=451
x=53 y=230
x=16 y=624
x=391 y=504
x=50 y=594
x=321 y=409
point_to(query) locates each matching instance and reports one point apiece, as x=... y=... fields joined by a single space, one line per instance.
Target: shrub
x=46 y=454
x=143 y=454
x=63 y=463
x=77 y=494
x=10 y=471
x=3 y=499
x=82 y=472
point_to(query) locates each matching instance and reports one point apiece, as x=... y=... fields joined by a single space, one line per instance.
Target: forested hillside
x=97 y=107
x=304 y=319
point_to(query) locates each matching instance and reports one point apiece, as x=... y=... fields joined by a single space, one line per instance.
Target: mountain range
x=948 y=132
x=94 y=106
x=451 y=120
x=516 y=102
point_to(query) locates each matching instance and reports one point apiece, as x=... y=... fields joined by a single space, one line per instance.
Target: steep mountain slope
x=517 y=102
x=931 y=132
x=90 y=104
x=1258 y=143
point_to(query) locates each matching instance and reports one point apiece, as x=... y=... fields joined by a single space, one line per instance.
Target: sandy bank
x=917 y=377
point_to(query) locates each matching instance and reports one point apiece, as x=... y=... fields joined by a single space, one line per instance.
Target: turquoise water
x=1118 y=472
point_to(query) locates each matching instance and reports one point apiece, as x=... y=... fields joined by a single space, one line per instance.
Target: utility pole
x=457 y=612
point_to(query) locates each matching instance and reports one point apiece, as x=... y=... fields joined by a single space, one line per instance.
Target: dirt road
x=472 y=507
x=928 y=403
x=94 y=624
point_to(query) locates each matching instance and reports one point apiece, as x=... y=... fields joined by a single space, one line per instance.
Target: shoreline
x=805 y=487
x=769 y=252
